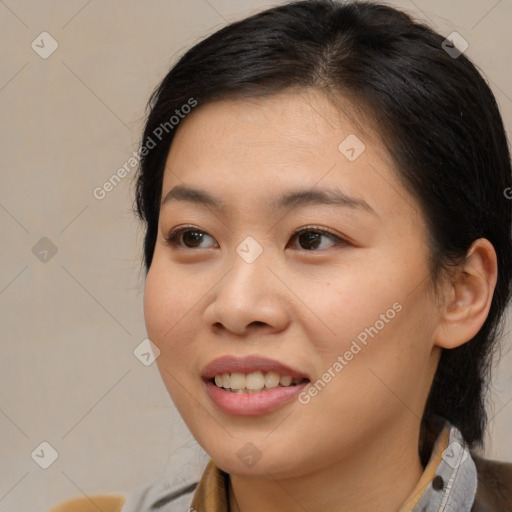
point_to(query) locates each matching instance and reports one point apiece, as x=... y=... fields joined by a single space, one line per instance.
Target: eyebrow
x=291 y=200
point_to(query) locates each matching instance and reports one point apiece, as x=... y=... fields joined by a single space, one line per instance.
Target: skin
x=354 y=446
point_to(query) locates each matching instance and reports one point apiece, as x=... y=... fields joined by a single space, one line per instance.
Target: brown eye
x=192 y=238
x=188 y=238
x=312 y=239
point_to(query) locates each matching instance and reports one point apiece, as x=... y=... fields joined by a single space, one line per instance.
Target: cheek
x=156 y=304
x=373 y=320
x=353 y=305
x=168 y=299
x=168 y=309
x=165 y=311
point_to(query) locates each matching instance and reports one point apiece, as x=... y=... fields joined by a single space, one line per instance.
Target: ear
x=468 y=296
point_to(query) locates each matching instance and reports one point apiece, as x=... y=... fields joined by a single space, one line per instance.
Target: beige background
x=70 y=324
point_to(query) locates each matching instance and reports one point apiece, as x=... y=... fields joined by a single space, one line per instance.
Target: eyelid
x=318 y=229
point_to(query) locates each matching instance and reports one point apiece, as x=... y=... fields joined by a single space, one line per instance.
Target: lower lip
x=248 y=404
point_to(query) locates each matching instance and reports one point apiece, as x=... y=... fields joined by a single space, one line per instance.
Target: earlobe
x=469 y=297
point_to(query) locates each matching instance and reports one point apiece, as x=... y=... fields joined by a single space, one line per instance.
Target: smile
x=255 y=382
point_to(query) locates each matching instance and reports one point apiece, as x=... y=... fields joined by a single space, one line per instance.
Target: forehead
x=260 y=146
x=300 y=120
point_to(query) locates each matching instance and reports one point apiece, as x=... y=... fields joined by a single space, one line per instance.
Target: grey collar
x=453 y=488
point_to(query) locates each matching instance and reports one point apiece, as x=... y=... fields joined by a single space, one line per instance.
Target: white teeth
x=285 y=380
x=238 y=381
x=254 y=382
x=271 y=380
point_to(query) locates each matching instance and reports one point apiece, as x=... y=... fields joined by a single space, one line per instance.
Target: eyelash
x=172 y=238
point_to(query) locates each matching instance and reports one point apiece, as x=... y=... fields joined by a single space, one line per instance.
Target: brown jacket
x=494 y=491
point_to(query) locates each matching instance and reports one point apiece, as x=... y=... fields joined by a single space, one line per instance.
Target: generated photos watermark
x=101 y=192
x=356 y=346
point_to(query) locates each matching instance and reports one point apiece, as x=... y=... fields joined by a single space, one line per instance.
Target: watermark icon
x=249 y=454
x=455 y=455
x=44 y=455
x=508 y=192
x=111 y=183
x=249 y=250
x=44 y=250
x=146 y=352
x=44 y=45
x=454 y=45
x=352 y=147
x=343 y=360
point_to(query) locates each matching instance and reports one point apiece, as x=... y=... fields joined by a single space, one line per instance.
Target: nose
x=249 y=298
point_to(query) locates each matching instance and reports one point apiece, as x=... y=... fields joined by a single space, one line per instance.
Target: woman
x=328 y=254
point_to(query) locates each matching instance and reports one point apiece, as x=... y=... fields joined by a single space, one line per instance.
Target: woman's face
x=344 y=306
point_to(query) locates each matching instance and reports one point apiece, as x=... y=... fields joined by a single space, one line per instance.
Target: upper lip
x=248 y=364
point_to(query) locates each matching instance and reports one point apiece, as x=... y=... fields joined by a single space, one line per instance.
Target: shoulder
x=494 y=491
x=153 y=498
x=172 y=490
x=161 y=498
x=157 y=498
x=105 y=503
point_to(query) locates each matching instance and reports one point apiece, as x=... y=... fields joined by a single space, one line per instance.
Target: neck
x=379 y=477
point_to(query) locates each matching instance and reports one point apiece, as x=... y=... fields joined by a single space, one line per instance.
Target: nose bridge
x=248 y=292
x=248 y=279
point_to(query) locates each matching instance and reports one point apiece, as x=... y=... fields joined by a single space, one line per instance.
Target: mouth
x=251 y=385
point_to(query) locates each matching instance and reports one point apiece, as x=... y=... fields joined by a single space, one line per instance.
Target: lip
x=248 y=364
x=249 y=404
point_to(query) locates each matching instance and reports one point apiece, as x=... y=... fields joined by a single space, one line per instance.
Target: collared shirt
x=448 y=484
